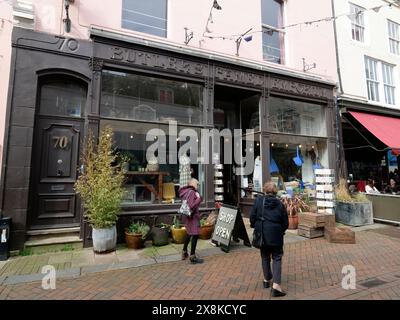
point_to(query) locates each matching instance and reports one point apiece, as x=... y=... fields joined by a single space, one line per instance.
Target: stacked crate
x=218 y=183
x=312 y=225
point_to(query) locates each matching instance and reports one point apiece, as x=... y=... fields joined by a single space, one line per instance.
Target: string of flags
x=270 y=30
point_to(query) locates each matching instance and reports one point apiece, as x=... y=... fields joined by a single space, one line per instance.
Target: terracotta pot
x=293 y=222
x=178 y=235
x=206 y=232
x=134 y=241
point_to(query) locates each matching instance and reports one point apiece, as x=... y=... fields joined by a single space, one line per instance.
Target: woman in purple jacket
x=192 y=223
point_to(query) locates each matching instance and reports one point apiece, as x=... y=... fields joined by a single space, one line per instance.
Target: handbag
x=184 y=210
x=258 y=240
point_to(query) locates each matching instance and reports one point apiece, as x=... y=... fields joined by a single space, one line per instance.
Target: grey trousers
x=276 y=253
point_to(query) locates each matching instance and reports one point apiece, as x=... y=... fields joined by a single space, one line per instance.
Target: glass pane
x=145 y=16
x=62 y=98
x=131 y=96
x=271 y=46
x=295 y=117
x=271 y=12
x=250 y=113
x=145 y=179
x=294 y=159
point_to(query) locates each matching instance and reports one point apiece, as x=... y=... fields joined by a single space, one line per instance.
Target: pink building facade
x=75 y=66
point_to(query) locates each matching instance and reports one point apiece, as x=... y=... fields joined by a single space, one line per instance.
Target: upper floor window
x=273 y=40
x=148 y=16
x=357 y=22
x=394 y=37
x=372 y=79
x=388 y=83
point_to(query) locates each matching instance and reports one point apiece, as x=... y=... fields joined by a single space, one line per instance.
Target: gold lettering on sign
x=60 y=142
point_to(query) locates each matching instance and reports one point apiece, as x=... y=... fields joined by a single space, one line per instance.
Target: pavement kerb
x=91 y=269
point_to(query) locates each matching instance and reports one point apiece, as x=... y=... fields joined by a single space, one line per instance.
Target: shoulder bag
x=258 y=240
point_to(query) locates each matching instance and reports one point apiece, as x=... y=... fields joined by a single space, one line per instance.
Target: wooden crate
x=309 y=232
x=330 y=221
x=340 y=235
x=313 y=220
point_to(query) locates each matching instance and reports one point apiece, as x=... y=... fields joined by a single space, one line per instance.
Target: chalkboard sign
x=224 y=225
x=229 y=225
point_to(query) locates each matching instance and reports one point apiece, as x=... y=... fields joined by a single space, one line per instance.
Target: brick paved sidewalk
x=311 y=270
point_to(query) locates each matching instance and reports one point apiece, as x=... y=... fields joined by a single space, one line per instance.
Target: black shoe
x=185 y=255
x=194 y=259
x=266 y=284
x=277 y=293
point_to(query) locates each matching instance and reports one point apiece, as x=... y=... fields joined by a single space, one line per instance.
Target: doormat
x=373 y=283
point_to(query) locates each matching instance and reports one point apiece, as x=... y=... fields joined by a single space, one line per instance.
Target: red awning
x=385 y=128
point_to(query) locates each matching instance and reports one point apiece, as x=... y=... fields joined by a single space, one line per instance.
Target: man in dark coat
x=192 y=223
x=269 y=217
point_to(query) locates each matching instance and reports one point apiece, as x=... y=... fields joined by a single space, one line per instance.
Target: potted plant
x=206 y=229
x=354 y=210
x=101 y=191
x=294 y=206
x=178 y=231
x=160 y=233
x=135 y=234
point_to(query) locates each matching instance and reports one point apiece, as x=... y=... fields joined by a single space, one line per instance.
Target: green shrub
x=138 y=228
x=100 y=185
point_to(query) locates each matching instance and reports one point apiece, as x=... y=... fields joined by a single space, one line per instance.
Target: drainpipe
x=341 y=163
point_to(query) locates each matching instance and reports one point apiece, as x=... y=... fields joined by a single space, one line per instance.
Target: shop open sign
x=224 y=225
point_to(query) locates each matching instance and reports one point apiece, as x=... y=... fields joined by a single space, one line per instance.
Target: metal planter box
x=354 y=213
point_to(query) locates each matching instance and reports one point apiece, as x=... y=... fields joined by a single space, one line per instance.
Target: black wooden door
x=55 y=170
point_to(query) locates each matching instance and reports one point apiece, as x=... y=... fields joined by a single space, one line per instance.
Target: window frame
x=357 y=22
x=394 y=42
x=389 y=86
x=149 y=26
x=372 y=80
x=281 y=34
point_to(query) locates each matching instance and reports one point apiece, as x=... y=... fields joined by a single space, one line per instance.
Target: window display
x=296 y=117
x=148 y=181
x=137 y=97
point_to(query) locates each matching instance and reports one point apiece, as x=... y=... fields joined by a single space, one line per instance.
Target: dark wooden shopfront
x=37 y=188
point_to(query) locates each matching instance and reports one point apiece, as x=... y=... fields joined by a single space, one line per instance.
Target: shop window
x=62 y=98
x=273 y=38
x=145 y=179
x=137 y=97
x=148 y=16
x=296 y=117
x=253 y=181
x=294 y=159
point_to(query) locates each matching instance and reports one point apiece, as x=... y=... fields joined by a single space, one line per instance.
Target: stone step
x=53 y=231
x=53 y=240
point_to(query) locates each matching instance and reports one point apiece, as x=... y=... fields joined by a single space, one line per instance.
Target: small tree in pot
x=294 y=206
x=101 y=191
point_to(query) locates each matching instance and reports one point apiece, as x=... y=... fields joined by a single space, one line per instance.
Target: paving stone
x=169 y=258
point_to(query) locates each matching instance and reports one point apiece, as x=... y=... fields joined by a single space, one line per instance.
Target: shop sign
x=153 y=60
x=239 y=77
x=224 y=225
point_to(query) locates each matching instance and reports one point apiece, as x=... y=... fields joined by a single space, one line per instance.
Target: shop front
x=371 y=146
x=138 y=89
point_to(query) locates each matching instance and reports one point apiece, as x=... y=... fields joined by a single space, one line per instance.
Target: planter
x=354 y=213
x=104 y=240
x=178 y=235
x=293 y=222
x=160 y=236
x=206 y=232
x=134 y=241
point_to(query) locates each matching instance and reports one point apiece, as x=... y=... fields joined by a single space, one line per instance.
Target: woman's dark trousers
x=276 y=253
x=193 y=244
